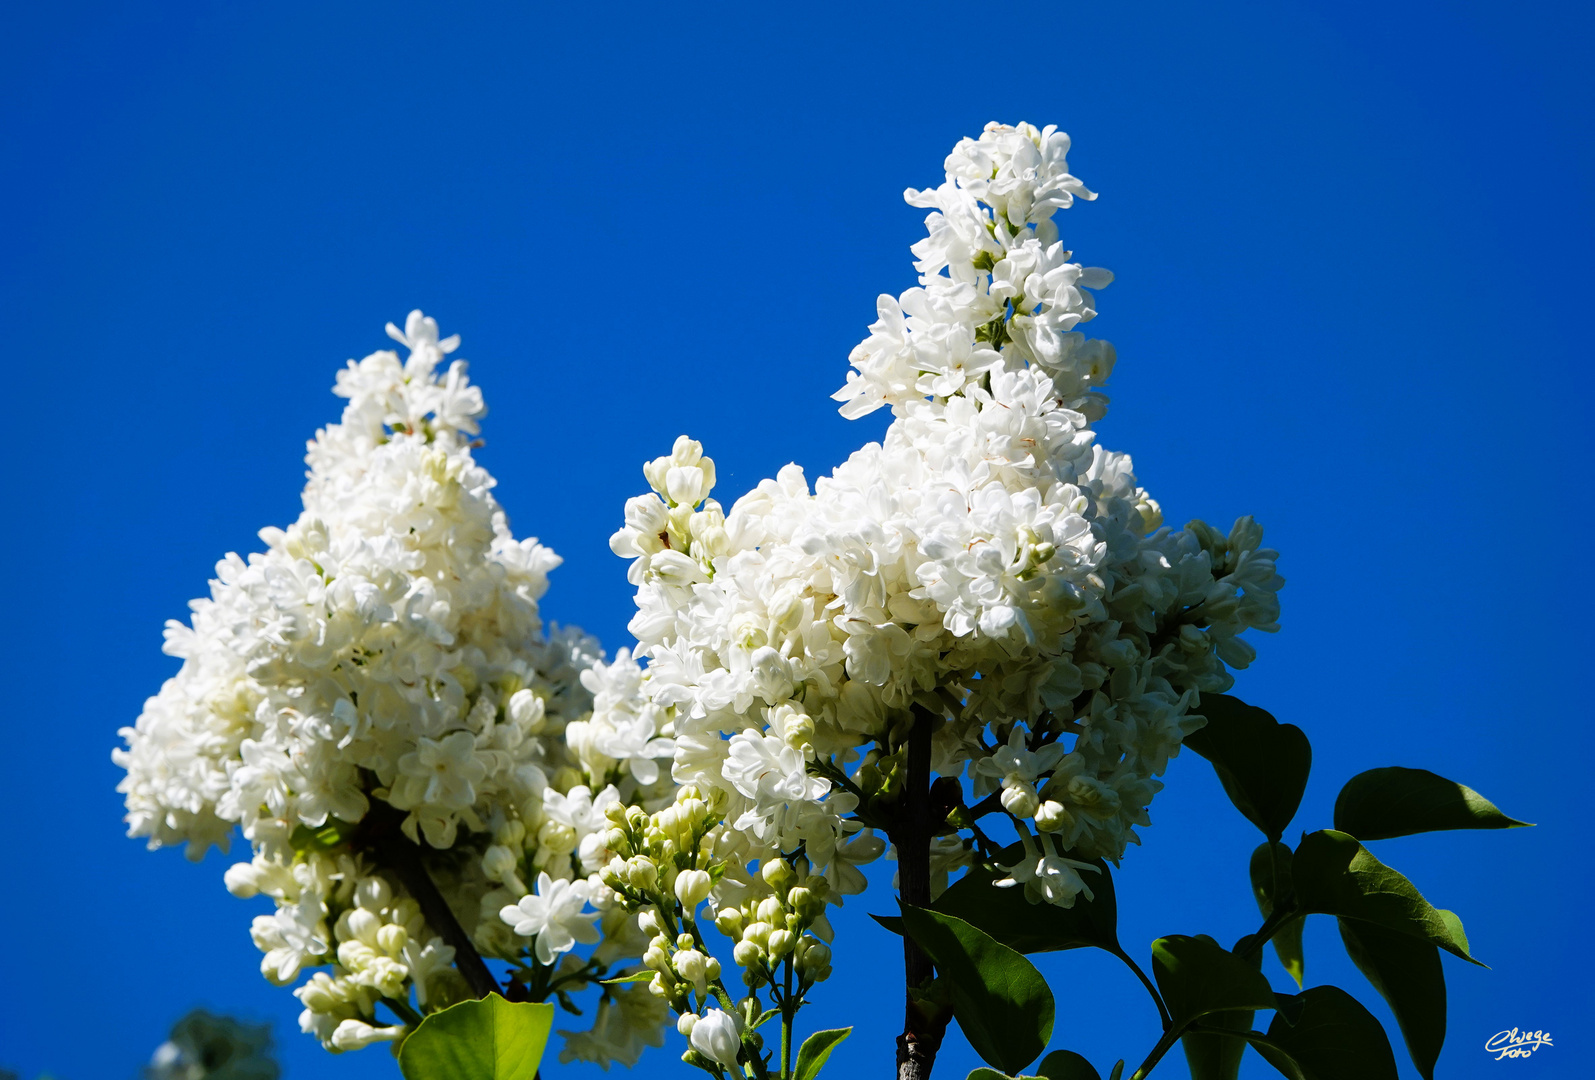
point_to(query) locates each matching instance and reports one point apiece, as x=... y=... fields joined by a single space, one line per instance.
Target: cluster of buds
x=781 y=926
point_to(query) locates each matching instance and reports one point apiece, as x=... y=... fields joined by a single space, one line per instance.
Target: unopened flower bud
x=770 y=910
x=691 y=965
x=641 y=872
x=747 y=954
x=781 y=942
x=498 y=861
x=777 y=873
x=1020 y=800
x=814 y=955
x=649 y=921
x=242 y=880
x=1053 y=817
x=392 y=939
x=692 y=887
x=729 y=922
x=685 y=1021
x=758 y=933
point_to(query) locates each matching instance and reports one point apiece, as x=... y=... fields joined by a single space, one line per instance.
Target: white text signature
x=1513 y=1043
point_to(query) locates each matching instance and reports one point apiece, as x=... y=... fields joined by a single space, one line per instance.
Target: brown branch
x=922 y=1029
x=398 y=853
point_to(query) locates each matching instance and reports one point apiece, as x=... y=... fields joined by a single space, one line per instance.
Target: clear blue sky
x=1352 y=245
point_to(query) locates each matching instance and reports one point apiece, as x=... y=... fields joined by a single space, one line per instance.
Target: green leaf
x=1218 y=1057
x=1066 y=1065
x=1118 y=1070
x=1198 y=977
x=636 y=976
x=1383 y=803
x=1267 y=891
x=1262 y=763
x=999 y=998
x=485 y=1039
x=1058 y=1065
x=1332 y=1037
x=815 y=1050
x=1008 y=917
x=1407 y=974
x=1335 y=875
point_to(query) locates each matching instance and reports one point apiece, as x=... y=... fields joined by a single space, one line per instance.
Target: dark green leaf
x=1287 y=939
x=1118 y=1070
x=999 y=998
x=1335 y=875
x=1218 y=1057
x=1333 y=1038
x=1066 y=1065
x=1058 y=1065
x=486 y=1039
x=1262 y=763
x=815 y=1049
x=1382 y=803
x=1006 y=915
x=1198 y=977
x=1407 y=974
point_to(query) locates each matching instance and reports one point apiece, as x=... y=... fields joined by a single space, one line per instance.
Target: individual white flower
x=1046 y=875
x=553 y=915
x=718 y=1036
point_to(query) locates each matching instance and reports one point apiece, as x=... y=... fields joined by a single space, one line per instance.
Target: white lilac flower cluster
x=986 y=565
x=384 y=660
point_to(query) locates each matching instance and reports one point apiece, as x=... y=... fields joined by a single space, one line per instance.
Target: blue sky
x=1351 y=243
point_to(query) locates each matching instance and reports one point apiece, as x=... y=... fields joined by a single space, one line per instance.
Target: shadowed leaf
x=1267 y=891
x=1407 y=974
x=1262 y=763
x=1335 y=875
x=1383 y=803
x=1000 y=1000
x=1332 y=1037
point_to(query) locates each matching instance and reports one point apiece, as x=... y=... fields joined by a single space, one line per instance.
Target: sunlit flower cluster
x=382 y=665
x=987 y=566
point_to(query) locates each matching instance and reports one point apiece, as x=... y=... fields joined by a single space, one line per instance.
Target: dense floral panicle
x=987 y=561
x=385 y=653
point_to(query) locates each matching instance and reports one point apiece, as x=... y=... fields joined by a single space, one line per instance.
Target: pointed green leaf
x=1066 y=1065
x=1006 y=915
x=1335 y=875
x=1267 y=891
x=1000 y=1000
x=1407 y=974
x=1332 y=1038
x=1118 y=1070
x=1218 y=1057
x=1198 y=977
x=1262 y=763
x=1384 y=803
x=815 y=1050
x=485 y=1039
x=636 y=976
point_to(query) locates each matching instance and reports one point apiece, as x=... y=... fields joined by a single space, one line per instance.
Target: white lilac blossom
x=987 y=564
x=384 y=659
